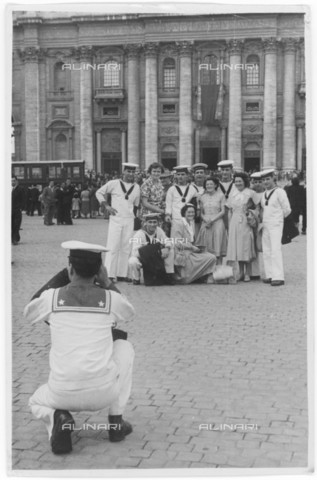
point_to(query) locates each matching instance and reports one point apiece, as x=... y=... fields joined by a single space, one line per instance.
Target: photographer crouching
x=90 y=361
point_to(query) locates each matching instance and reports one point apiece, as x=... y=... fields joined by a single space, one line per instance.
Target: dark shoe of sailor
x=61 y=441
x=267 y=280
x=118 y=428
x=277 y=283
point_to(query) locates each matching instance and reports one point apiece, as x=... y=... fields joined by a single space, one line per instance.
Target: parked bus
x=41 y=173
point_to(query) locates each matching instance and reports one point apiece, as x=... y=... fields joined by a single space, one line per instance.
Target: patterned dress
x=213 y=237
x=241 y=245
x=154 y=193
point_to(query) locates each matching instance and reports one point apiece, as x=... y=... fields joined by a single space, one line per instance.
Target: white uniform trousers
x=45 y=401
x=118 y=242
x=272 y=251
x=135 y=265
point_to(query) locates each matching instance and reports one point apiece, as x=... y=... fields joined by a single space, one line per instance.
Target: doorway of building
x=210 y=156
x=111 y=162
x=252 y=164
x=169 y=163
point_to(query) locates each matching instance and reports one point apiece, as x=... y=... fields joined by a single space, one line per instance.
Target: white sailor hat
x=199 y=166
x=131 y=166
x=166 y=174
x=182 y=168
x=149 y=216
x=256 y=175
x=83 y=249
x=225 y=163
x=267 y=172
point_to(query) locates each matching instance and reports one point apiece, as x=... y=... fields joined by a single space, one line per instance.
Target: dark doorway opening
x=210 y=156
x=252 y=164
x=111 y=162
x=169 y=163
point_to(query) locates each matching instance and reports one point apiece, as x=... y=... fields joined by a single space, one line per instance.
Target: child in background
x=75 y=206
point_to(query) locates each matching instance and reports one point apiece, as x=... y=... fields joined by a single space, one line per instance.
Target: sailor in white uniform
x=88 y=370
x=178 y=195
x=200 y=170
x=276 y=207
x=257 y=187
x=125 y=197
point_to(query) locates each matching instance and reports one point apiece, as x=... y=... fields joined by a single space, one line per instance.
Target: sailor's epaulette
x=78 y=299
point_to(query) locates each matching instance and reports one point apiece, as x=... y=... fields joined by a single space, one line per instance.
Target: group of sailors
x=201 y=225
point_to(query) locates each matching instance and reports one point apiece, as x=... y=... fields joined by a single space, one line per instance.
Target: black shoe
x=118 y=428
x=169 y=279
x=136 y=282
x=267 y=280
x=277 y=283
x=61 y=441
x=124 y=279
x=255 y=277
x=303 y=233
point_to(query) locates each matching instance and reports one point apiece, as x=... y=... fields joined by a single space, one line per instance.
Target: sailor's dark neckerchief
x=127 y=193
x=181 y=194
x=226 y=193
x=149 y=239
x=267 y=198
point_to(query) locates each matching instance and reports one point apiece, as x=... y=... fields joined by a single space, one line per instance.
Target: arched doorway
x=252 y=157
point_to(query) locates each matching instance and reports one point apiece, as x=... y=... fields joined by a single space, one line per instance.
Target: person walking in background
x=17 y=203
x=68 y=193
x=48 y=199
x=296 y=196
x=85 y=201
x=75 y=206
x=94 y=204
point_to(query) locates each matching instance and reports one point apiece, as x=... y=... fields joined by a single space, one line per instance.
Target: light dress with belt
x=214 y=238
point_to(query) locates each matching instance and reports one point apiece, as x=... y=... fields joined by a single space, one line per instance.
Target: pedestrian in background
x=17 y=203
x=48 y=199
x=75 y=206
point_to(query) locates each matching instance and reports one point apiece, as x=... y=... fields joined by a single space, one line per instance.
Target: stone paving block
x=189 y=456
x=215 y=458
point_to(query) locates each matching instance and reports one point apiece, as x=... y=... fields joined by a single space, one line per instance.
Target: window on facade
x=169 y=108
x=110 y=111
x=61 y=147
x=111 y=76
x=252 y=107
x=60 y=81
x=18 y=172
x=252 y=70
x=169 y=73
x=210 y=71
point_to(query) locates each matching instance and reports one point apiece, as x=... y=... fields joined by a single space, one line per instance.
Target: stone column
x=185 y=104
x=151 y=120
x=223 y=141
x=235 y=109
x=270 y=104
x=31 y=57
x=124 y=145
x=289 y=129
x=133 y=103
x=197 y=144
x=98 y=150
x=300 y=146
x=86 y=125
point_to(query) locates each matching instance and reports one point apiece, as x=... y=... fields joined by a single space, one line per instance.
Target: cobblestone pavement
x=205 y=354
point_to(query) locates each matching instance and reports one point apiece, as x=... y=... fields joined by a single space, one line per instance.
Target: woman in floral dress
x=152 y=191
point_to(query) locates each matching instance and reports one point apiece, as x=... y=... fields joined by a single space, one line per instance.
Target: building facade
x=174 y=89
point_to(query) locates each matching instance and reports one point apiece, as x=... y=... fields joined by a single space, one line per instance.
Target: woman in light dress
x=85 y=201
x=212 y=233
x=191 y=264
x=241 y=246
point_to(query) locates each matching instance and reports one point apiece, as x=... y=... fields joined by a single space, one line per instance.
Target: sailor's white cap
x=225 y=163
x=132 y=166
x=83 y=246
x=267 y=172
x=198 y=166
x=182 y=168
x=256 y=175
x=153 y=215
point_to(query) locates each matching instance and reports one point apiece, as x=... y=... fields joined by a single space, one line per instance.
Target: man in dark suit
x=18 y=198
x=67 y=202
x=48 y=199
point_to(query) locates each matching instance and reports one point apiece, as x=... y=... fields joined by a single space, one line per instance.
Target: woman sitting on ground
x=191 y=263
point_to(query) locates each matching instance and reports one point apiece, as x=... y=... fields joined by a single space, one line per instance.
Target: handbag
x=180 y=259
x=258 y=238
x=137 y=225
